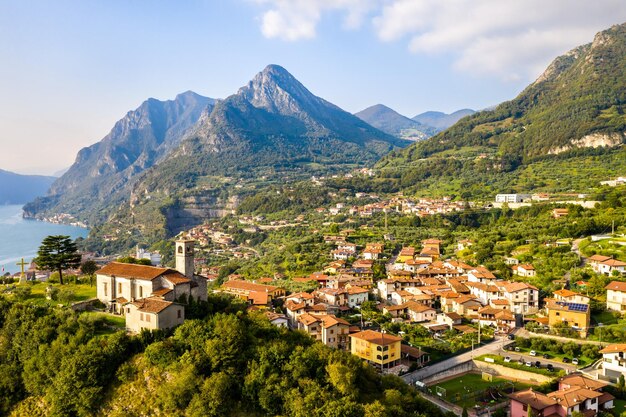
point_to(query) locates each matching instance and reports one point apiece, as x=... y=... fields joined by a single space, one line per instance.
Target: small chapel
x=152 y=297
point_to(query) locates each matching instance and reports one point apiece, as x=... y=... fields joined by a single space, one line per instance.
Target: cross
x=22 y=264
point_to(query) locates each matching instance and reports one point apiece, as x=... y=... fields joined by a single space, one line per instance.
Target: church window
x=180 y=249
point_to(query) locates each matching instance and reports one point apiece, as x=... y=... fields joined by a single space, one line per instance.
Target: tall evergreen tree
x=57 y=253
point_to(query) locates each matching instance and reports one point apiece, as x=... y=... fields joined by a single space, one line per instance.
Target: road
x=494 y=347
x=515 y=356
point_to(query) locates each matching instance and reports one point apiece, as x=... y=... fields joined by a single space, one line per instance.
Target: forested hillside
x=54 y=362
x=578 y=103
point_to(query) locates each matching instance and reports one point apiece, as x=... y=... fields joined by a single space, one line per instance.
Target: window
x=140 y=292
x=180 y=249
x=179 y=313
x=106 y=289
x=593 y=400
x=119 y=288
x=148 y=318
x=558 y=314
x=525 y=407
x=128 y=310
x=379 y=348
x=332 y=332
x=141 y=316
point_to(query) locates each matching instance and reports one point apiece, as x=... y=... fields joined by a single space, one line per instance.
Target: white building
x=614 y=361
x=513 y=198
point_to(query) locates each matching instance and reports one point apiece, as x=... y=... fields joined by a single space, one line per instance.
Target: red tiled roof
x=124 y=270
x=151 y=305
x=378 y=338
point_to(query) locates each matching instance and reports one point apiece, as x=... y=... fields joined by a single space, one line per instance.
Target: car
x=511 y=337
x=517 y=348
x=575 y=361
x=565 y=360
x=507 y=359
x=546 y=356
x=537 y=364
x=550 y=368
x=533 y=353
x=529 y=363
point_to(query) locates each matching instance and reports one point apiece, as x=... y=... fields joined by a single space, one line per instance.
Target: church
x=152 y=297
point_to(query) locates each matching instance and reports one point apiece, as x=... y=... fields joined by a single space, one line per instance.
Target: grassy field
x=606 y=317
x=80 y=292
x=112 y=323
x=465 y=385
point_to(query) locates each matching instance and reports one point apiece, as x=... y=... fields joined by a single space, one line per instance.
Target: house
x=464 y=244
x=377 y=348
x=480 y=274
x=512 y=198
x=341 y=255
x=524 y=270
x=449 y=319
x=153 y=313
x=522 y=297
x=406 y=254
x=557 y=213
x=418 y=312
x=614 y=361
x=333 y=296
x=575 y=394
x=356 y=295
x=327 y=328
x=465 y=304
x=570 y=296
x=278 y=320
x=605 y=265
x=616 y=296
x=256 y=294
x=574 y=315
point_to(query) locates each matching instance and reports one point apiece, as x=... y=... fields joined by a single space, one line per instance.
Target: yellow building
x=406 y=254
x=575 y=315
x=377 y=348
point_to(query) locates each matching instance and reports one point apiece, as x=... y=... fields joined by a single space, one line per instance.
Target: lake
x=21 y=237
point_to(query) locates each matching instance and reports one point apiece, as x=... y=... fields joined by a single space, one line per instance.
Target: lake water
x=21 y=238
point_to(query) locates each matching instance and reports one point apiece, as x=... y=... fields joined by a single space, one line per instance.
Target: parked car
x=546 y=356
x=550 y=368
x=511 y=337
x=529 y=363
x=575 y=361
x=507 y=359
x=517 y=348
x=538 y=364
x=565 y=360
x=533 y=353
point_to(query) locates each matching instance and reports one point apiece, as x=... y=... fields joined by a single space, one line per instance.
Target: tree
x=464 y=413
x=89 y=268
x=56 y=253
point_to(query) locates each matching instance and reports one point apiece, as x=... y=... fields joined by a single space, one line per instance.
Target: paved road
x=515 y=356
x=493 y=347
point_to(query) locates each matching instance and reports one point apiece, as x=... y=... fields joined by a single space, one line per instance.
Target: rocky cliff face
x=102 y=172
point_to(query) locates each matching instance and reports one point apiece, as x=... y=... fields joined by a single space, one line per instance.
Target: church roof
x=151 y=305
x=135 y=271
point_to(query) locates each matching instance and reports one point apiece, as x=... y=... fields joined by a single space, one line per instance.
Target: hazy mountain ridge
x=439 y=121
x=392 y=122
x=18 y=188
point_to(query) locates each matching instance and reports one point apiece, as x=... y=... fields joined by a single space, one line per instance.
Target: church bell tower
x=184 y=257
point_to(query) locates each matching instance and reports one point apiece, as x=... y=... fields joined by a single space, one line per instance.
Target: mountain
x=439 y=121
x=392 y=122
x=173 y=164
x=564 y=132
x=101 y=172
x=18 y=189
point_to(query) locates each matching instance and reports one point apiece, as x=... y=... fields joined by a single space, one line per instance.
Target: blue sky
x=72 y=68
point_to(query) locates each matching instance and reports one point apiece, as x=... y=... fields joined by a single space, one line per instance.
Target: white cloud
x=511 y=39
x=293 y=20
